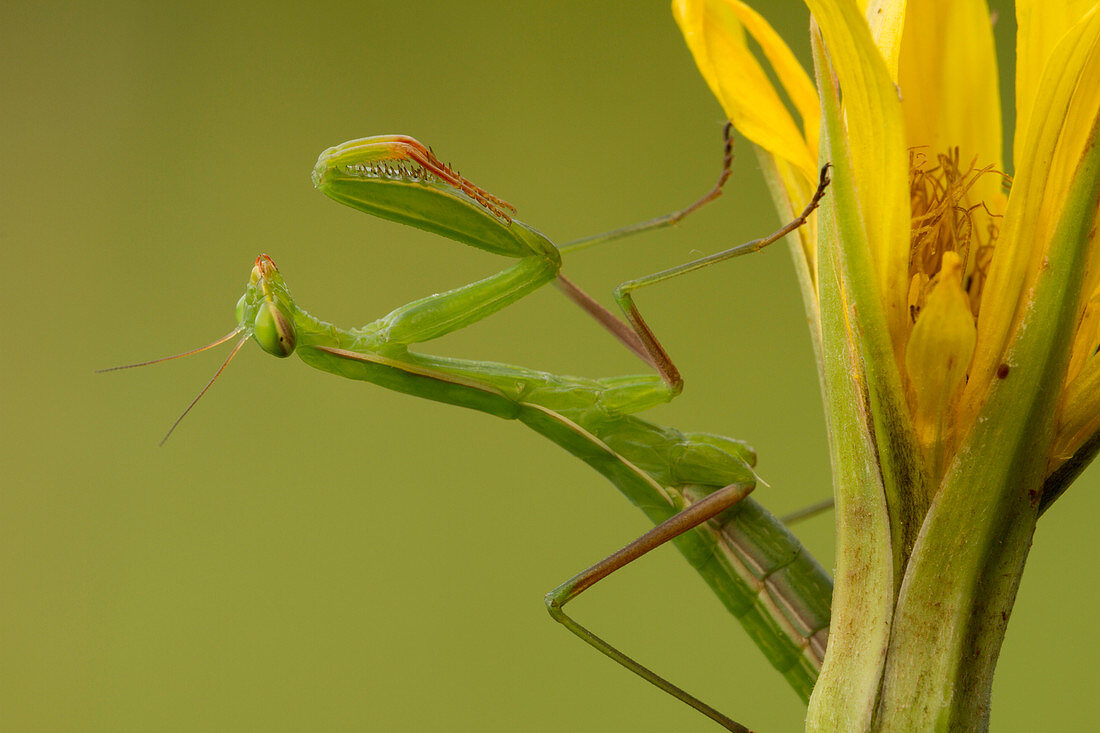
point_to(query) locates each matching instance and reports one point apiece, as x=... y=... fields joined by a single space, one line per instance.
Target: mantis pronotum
x=694 y=486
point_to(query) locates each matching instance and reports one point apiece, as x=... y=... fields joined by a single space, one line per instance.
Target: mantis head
x=398 y=178
x=264 y=313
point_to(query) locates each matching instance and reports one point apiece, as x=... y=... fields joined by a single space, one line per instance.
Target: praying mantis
x=693 y=486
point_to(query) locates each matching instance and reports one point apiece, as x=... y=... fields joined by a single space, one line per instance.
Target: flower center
x=952 y=238
x=946 y=218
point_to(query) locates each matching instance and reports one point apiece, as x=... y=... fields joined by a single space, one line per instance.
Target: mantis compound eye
x=274 y=331
x=239 y=312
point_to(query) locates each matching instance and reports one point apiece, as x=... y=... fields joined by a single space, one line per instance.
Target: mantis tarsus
x=694 y=486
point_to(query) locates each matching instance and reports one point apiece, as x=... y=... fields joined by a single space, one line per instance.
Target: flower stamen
x=952 y=243
x=945 y=220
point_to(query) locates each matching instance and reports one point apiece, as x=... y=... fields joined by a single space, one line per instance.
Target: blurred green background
x=308 y=553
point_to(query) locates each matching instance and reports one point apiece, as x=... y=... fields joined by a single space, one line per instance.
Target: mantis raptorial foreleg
x=757 y=569
x=369 y=175
x=437 y=315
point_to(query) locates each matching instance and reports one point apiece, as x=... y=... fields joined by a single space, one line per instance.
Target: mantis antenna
x=212 y=344
x=203 y=390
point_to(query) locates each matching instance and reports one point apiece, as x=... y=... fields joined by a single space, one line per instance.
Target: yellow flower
x=927 y=158
x=955 y=312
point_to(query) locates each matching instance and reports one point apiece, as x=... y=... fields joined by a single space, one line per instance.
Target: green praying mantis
x=693 y=486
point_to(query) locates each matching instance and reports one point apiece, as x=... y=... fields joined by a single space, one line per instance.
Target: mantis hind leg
x=686 y=520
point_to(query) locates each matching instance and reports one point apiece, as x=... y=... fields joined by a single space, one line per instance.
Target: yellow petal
x=1045 y=163
x=796 y=83
x=799 y=180
x=938 y=354
x=886 y=19
x=1086 y=339
x=717 y=41
x=949 y=85
x=1079 y=117
x=879 y=158
x=950 y=96
x=1080 y=417
x=690 y=16
x=1040 y=26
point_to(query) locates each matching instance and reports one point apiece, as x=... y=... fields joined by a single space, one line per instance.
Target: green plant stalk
x=863 y=583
